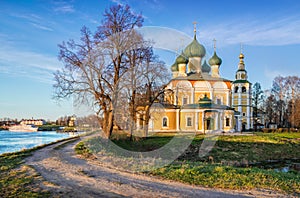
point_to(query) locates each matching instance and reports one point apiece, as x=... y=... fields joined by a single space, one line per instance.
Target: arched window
x=165 y=122
x=227 y=122
x=189 y=122
x=185 y=100
x=236 y=89
x=244 y=89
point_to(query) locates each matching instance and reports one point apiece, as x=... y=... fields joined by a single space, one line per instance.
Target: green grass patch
x=15 y=179
x=210 y=175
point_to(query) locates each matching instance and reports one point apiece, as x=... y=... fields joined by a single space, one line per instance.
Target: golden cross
x=215 y=42
x=241 y=48
x=195 y=26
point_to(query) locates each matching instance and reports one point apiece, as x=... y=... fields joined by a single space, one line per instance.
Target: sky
x=31 y=30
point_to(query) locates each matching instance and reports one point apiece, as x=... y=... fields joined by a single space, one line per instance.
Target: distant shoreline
x=42 y=145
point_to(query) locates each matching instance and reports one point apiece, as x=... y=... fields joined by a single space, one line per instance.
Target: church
x=198 y=99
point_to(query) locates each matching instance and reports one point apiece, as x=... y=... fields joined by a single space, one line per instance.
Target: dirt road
x=68 y=175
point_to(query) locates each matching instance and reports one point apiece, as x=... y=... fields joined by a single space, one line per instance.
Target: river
x=16 y=141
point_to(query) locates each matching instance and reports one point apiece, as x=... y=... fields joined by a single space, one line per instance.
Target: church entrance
x=209 y=124
x=244 y=126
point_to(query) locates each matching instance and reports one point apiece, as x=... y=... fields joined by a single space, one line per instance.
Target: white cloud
x=63 y=7
x=38 y=66
x=42 y=27
x=257 y=32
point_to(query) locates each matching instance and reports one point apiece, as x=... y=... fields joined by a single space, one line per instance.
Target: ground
x=66 y=174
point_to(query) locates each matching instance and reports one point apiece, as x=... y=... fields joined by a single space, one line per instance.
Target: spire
x=241 y=55
x=215 y=41
x=195 y=29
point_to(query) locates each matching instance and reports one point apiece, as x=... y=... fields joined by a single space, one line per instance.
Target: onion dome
x=181 y=59
x=195 y=49
x=205 y=67
x=205 y=101
x=174 y=67
x=215 y=60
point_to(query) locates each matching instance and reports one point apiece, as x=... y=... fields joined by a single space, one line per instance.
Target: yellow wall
x=157 y=118
x=200 y=121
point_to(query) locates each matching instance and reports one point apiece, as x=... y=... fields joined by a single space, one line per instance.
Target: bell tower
x=242 y=97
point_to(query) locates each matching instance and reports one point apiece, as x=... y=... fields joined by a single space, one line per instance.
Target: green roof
x=215 y=60
x=195 y=49
x=241 y=81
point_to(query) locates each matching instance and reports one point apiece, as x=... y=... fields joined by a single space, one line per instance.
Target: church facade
x=198 y=99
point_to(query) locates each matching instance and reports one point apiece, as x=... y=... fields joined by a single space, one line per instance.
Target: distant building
x=37 y=122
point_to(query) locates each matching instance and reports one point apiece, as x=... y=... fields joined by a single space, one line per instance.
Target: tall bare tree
x=257 y=99
x=94 y=65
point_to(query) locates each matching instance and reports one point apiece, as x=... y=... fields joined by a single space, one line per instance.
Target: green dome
x=174 y=67
x=195 y=49
x=181 y=59
x=205 y=67
x=205 y=101
x=215 y=60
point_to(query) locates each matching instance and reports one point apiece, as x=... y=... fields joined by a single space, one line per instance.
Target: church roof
x=241 y=81
x=206 y=106
x=200 y=77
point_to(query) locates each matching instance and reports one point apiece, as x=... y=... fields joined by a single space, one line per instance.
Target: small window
x=189 y=121
x=236 y=89
x=244 y=114
x=227 y=122
x=185 y=100
x=219 y=101
x=243 y=89
x=165 y=122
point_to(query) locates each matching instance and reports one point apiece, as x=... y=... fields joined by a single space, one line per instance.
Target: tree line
x=280 y=104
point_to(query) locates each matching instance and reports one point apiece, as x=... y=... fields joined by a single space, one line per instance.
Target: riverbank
x=17 y=179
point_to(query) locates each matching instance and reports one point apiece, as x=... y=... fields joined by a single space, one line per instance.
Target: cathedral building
x=198 y=99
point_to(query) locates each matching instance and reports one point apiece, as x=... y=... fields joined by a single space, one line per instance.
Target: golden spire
x=241 y=55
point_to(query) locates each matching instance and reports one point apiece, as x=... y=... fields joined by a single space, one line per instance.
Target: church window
x=165 y=122
x=185 y=100
x=227 y=122
x=236 y=89
x=189 y=121
x=244 y=114
x=219 y=101
x=243 y=89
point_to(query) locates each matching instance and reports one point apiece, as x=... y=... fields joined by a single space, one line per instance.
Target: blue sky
x=31 y=30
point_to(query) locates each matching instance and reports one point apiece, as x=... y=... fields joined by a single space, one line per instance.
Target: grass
x=18 y=179
x=212 y=175
x=227 y=165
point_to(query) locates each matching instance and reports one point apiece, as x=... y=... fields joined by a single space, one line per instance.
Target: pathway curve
x=68 y=175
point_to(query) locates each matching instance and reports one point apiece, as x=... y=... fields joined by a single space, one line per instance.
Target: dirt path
x=69 y=176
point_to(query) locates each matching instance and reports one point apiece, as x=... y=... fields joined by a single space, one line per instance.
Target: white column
x=221 y=121
x=240 y=100
x=217 y=122
x=228 y=98
x=193 y=95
